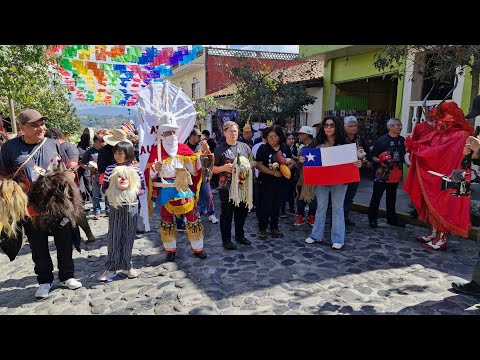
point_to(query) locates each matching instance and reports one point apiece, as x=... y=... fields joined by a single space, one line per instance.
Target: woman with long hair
x=274 y=162
x=332 y=133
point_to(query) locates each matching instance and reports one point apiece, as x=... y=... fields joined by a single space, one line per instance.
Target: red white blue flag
x=330 y=165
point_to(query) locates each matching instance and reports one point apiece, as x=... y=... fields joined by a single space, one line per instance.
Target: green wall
x=311 y=50
x=356 y=67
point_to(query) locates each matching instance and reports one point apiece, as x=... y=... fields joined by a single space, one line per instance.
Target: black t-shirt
x=224 y=154
x=265 y=154
x=105 y=158
x=362 y=143
x=396 y=147
x=212 y=144
x=192 y=146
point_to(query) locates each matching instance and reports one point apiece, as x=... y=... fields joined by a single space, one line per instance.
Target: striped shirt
x=108 y=173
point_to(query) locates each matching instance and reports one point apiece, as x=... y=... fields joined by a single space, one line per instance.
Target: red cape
x=442 y=152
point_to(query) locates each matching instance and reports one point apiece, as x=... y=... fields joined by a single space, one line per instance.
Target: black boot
x=229 y=245
x=202 y=255
x=373 y=224
x=170 y=256
x=243 y=240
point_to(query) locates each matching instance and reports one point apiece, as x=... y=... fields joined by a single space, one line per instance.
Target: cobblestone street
x=379 y=271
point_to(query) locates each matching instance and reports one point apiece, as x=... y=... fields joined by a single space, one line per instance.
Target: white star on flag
x=310 y=157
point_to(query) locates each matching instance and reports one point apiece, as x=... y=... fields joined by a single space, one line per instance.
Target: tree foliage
x=443 y=60
x=261 y=96
x=205 y=106
x=28 y=76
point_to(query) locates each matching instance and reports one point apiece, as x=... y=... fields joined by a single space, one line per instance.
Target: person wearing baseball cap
x=305 y=136
x=14 y=153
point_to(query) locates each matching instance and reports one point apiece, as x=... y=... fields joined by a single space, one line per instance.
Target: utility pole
x=13 y=121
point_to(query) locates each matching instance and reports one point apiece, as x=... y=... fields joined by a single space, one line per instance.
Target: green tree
x=29 y=78
x=265 y=95
x=442 y=59
x=205 y=106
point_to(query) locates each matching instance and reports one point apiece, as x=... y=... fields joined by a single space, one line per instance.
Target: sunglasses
x=331 y=125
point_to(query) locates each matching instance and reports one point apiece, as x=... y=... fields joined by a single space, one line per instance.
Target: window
x=195 y=88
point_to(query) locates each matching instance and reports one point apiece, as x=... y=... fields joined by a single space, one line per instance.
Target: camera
x=458 y=181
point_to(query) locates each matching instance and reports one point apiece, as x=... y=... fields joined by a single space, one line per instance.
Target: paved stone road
x=382 y=271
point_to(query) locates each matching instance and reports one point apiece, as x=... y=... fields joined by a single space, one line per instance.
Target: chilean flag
x=331 y=165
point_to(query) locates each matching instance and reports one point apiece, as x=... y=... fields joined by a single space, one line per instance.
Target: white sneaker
x=337 y=246
x=43 y=290
x=107 y=275
x=213 y=219
x=71 y=283
x=309 y=240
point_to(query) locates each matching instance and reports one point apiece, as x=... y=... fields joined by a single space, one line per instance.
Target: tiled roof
x=312 y=70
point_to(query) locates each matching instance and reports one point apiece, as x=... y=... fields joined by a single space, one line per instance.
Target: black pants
x=269 y=202
x=349 y=195
x=378 y=189
x=289 y=196
x=38 y=239
x=229 y=211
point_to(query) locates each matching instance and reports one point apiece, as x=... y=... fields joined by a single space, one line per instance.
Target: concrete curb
x=473 y=233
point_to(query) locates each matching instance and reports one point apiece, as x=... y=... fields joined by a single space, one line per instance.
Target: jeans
x=350 y=194
x=205 y=201
x=96 y=197
x=338 y=220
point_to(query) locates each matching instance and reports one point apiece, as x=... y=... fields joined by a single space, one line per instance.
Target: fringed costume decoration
x=55 y=197
x=13 y=206
x=13 y=209
x=195 y=235
x=241 y=189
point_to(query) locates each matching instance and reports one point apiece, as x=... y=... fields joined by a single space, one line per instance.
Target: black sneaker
x=202 y=255
x=243 y=240
x=282 y=214
x=396 y=223
x=373 y=224
x=181 y=227
x=229 y=245
x=349 y=222
x=471 y=288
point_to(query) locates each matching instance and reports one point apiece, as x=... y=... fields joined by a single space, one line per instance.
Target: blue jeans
x=338 y=220
x=96 y=197
x=205 y=201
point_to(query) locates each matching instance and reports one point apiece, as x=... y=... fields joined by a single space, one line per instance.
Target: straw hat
x=116 y=137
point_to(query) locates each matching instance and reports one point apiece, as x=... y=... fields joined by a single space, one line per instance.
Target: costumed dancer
x=442 y=152
x=124 y=183
x=176 y=177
